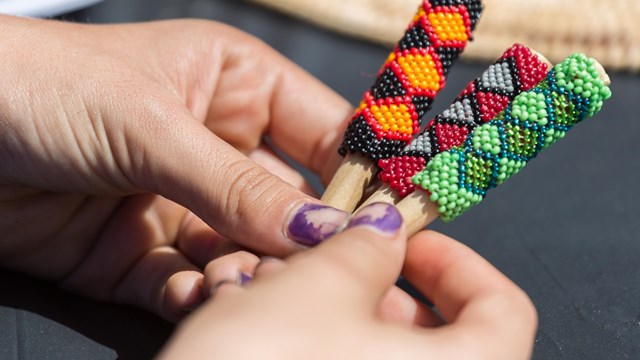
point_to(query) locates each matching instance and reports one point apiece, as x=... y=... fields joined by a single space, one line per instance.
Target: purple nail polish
x=313 y=223
x=244 y=278
x=380 y=216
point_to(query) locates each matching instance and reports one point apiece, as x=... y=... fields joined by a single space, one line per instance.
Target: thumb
x=362 y=262
x=242 y=201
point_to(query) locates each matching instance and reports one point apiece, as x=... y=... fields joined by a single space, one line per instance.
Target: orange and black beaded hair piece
x=389 y=115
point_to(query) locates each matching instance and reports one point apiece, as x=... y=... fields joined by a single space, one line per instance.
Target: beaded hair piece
x=459 y=178
x=389 y=114
x=517 y=70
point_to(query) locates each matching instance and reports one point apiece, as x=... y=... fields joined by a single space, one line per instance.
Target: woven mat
x=608 y=30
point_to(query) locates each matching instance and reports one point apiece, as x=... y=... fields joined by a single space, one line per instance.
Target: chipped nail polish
x=312 y=223
x=244 y=278
x=382 y=217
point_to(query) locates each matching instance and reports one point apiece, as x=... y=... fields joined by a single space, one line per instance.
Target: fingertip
x=382 y=218
x=367 y=256
x=182 y=294
x=310 y=223
x=268 y=265
x=236 y=268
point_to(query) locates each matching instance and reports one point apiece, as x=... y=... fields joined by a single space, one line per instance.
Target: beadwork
x=460 y=177
x=517 y=70
x=389 y=115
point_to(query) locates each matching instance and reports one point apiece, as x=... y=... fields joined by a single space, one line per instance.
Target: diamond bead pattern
x=483 y=99
x=407 y=83
x=460 y=177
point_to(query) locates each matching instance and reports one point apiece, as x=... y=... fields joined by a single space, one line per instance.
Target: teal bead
x=521 y=140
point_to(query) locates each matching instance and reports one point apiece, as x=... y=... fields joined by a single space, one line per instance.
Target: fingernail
x=312 y=223
x=243 y=278
x=381 y=217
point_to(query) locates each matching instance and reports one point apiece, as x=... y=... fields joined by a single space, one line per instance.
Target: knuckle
x=249 y=188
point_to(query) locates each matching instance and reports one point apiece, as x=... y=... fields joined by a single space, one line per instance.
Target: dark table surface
x=565 y=230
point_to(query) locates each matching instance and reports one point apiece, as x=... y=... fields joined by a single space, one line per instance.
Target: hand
x=325 y=303
x=118 y=139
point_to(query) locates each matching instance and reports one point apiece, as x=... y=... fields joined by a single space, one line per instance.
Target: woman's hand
x=118 y=139
x=326 y=303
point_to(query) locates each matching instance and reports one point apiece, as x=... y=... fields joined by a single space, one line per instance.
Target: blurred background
x=565 y=230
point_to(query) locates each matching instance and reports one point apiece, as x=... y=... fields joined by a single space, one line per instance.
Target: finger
x=267 y=266
x=301 y=115
x=182 y=294
x=224 y=288
x=268 y=159
x=164 y=282
x=399 y=307
x=200 y=243
x=236 y=267
x=308 y=121
x=478 y=301
x=361 y=263
x=235 y=196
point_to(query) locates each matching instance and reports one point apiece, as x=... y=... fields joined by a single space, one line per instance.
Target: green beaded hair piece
x=460 y=177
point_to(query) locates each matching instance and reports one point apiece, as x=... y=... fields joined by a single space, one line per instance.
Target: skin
x=127 y=144
x=337 y=301
x=134 y=163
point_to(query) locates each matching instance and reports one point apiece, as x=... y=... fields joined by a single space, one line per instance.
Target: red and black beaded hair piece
x=517 y=70
x=389 y=115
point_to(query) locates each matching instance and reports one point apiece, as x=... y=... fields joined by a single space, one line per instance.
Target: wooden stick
x=348 y=184
x=383 y=194
x=390 y=111
x=602 y=73
x=417 y=211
